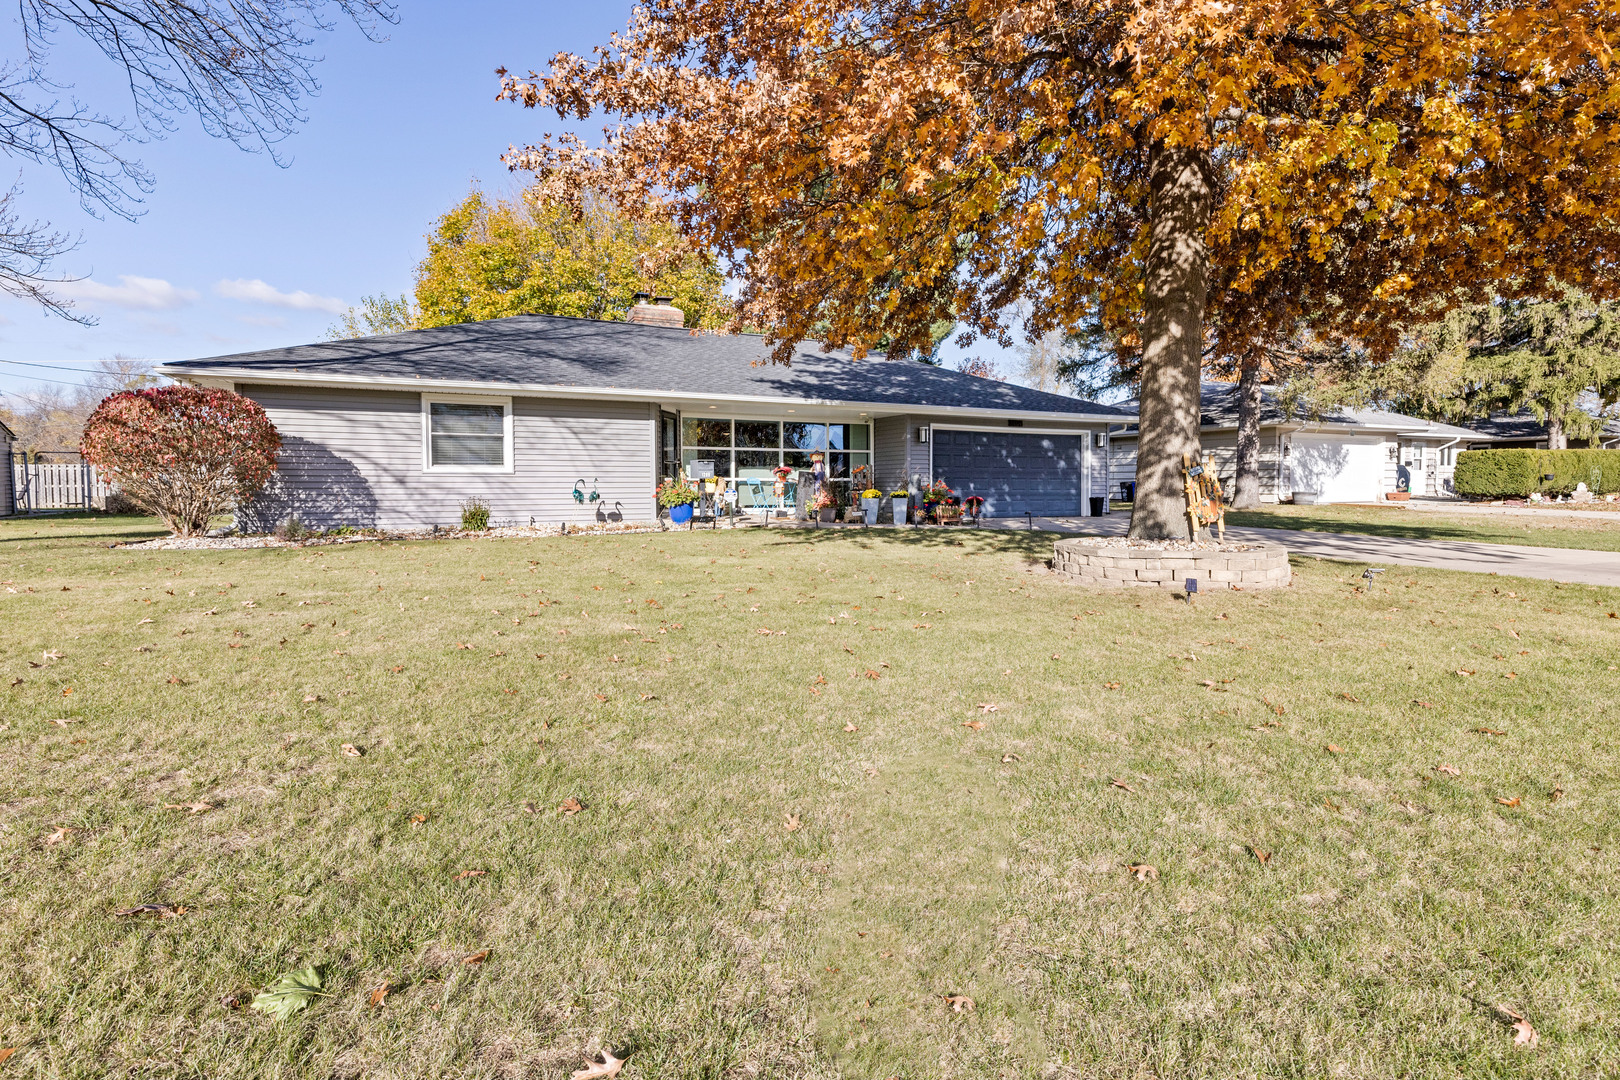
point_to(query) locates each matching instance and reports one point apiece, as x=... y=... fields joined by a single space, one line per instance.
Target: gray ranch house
x=396 y=431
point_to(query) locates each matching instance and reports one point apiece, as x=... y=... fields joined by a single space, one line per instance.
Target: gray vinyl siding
x=354 y=457
x=898 y=457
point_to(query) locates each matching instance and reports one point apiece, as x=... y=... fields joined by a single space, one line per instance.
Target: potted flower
x=678 y=497
x=826 y=509
x=898 y=499
x=974 y=504
x=937 y=499
x=871 y=499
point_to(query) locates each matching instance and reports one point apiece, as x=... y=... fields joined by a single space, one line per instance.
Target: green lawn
x=792 y=848
x=1555 y=531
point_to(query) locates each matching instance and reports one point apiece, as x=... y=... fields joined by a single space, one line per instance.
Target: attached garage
x=1339 y=468
x=1016 y=472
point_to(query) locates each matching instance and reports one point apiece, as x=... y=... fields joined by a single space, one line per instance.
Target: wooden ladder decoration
x=1205 y=504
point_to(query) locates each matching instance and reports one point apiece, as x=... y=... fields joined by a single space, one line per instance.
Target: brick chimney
x=658 y=313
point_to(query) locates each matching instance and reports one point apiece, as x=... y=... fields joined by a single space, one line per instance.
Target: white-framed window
x=466 y=434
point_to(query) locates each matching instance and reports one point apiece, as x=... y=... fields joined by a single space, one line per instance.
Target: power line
x=58 y=367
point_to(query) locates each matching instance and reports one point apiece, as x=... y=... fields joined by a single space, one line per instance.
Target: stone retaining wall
x=1263 y=566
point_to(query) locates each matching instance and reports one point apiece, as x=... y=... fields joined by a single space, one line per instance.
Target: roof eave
x=418 y=385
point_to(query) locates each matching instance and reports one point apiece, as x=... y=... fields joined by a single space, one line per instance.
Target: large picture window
x=467 y=435
x=751 y=449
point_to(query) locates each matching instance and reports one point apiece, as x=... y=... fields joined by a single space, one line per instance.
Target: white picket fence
x=57 y=486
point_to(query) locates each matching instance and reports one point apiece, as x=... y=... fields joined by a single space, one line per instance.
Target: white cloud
x=260 y=292
x=139 y=293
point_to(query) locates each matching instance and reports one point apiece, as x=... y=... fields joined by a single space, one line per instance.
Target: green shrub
x=474 y=515
x=1497 y=474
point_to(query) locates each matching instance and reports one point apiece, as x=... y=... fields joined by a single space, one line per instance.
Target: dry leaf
x=470 y=874
x=60 y=835
x=236 y=999
x=477 y=957
x=64 y=721
x=1334 y=749
x=607 y=1070
x=1007 y=759
x=529 y=807
x=1449 y=770
x=5 y=1052
x=1144 y=872
x=649 y=697
x=419 y=819
x=1508 y=802
x=309 y=699
x=1423 y=704
x=1351 y=697
x=976 y=725
x=570 y=806
x=1262 y=856
x=1110 y=686
x=959 y=1002
x=396 y=670
x=790 y=822
x=1117 y=782
x=351 y=750
x=987 y=706
x=16 y=681
x=1464 y=671
x=851 y=727
x=600 y=697
x=378 y=995
x=190 y=807
x=1525 y=1035
x=1556 y=794
x=1489 y=731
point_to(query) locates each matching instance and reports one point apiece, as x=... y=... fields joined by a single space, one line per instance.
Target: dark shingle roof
x=545 y=350
x=1218 y=408
x=1524 y=426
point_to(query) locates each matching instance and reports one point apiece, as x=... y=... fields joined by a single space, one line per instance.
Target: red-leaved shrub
x=182 y=452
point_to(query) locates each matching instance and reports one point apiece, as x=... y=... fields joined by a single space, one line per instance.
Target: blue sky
x=233 y=252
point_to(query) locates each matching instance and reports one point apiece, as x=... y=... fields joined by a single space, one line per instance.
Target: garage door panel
x=1339 y=469
x=1015 y=473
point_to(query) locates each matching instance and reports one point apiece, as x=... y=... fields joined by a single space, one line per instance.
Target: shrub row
x=1496 y=474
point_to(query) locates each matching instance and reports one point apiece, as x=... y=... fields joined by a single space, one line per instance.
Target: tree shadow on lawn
x=1036 y=544
x=1403 y=531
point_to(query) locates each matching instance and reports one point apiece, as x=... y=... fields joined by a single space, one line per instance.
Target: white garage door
x=1340 y=468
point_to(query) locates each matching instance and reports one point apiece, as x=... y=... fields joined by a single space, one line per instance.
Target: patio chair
x=759 y=499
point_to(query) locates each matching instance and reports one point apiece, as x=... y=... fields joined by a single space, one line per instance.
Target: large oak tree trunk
x=1176 y=282
x=1557 y=437
x=1246 y=485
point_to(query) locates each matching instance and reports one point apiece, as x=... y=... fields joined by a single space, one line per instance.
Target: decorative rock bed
x=1131 y=563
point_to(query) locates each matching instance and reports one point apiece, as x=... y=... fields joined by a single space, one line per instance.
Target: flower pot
x=899 y=511
x=1397 y=496
x=827 y=513
x=680 y=513
x=869 y=507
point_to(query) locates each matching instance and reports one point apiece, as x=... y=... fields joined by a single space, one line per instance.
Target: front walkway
x=1553 y=564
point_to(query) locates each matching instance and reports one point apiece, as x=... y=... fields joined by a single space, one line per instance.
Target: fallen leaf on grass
x=60 y=835
x=309 y=699
x=1117 y=782
x=529 y=807
x=470 y=874
x=973 y=725
x=791 y=822
x=379 y=995
x=851 y=727
x=607 y=1070
x=234 y=1000
x=1508 y=802
x=190 y=807
x=1423 y=704
x=175 y=680
x=1262 y=857
x=570 y=806
x=419 y=819
x=162 y=911
x=397 y=669
x=987 y=707
x=351 y=750
x=649 y=697
x=1110 y=686
x=1555 y=794
x=477 y=957
x=1334 y=749
x=1449 y=770
x=1525 y=1035
x=63 y=721
x=1008 y=759
x=600 y=697
x=959 y=1002
x=16 y=681
x=1351 y=697
x=1464 y=671
x=5 y=1052
x=1489 y=731
x=1144 y=872
x=291 y=992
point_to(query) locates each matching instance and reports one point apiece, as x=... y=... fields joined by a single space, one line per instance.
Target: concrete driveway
x=1514 y=560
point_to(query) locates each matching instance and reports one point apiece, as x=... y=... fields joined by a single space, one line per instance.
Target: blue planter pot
x=681 y=513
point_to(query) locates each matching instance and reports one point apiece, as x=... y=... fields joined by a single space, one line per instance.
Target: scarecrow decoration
x=1205 y=505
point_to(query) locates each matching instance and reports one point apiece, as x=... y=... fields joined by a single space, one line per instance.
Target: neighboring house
x=1340 y=455
x=398 y=430
x=8 y=489
x=1524 y=431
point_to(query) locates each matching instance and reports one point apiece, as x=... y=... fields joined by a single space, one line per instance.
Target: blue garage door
x=1016 y=473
